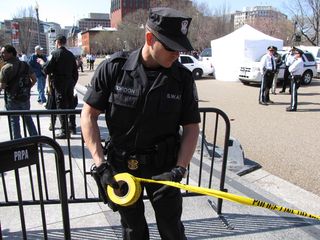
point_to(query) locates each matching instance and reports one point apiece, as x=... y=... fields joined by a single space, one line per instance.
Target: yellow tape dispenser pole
x=130 y=190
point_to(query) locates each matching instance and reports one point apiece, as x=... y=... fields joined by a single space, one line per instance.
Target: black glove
x=106 y=174
x=103 y=175
x=176 y=174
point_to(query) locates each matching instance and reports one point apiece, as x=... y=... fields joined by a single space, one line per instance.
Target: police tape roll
x=134 y=191
x=129 y=190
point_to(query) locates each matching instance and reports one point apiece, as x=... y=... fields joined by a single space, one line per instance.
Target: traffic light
x=297 y=38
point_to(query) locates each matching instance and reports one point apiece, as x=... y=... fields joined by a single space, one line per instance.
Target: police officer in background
x=267 y=70
x=278 y=60
x=64 y=70
x=147 y=97
x=288 y=61
x=296 y=70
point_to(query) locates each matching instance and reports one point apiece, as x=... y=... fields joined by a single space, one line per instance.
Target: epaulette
x=119 y=55
x=181 y=66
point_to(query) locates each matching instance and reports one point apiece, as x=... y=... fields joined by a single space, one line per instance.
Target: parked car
x=206 y=55
x=198 y=68
x=250 y=71
x=315 y=50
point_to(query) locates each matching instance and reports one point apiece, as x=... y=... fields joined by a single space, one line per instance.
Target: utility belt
x=296 y=77
x=134 y=161
x=161 y=155
x=269 y=71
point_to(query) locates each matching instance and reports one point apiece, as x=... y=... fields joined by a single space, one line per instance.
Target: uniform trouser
x=274 y=83
x=295 y=81
x=285 y=79
x=168 y=210
x=64 y=100
x=266 y=84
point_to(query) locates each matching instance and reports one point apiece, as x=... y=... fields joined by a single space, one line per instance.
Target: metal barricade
x=207 y=169
x=22 y=154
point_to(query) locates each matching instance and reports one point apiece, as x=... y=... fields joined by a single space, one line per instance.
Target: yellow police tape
x=130 y=190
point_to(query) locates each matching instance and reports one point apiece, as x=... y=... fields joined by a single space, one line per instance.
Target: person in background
x=195 y=54
x=37 y=68
x=2 y=62
x=278 y=60
x=288 y=61
x=64 y=70
x=156 y=96
x=9 y=75
x=80 y=63
x=296 y=71
x=267 y=70
x=88 y=57
x=92 y=59
x=51 y=100
x=23 y=57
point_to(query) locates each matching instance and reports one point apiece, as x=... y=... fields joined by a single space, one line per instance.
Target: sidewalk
x=96 y=221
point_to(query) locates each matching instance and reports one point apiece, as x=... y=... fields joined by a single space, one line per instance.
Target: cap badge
x=184 y=27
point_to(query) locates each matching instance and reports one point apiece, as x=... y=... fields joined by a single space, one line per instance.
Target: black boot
x=63 y=135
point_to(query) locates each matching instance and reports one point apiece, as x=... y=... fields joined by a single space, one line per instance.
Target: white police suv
x=250 y=71
x=198 y=68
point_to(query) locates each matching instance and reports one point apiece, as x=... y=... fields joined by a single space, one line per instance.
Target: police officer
x=63 y=67
x=267 y=70
x=296 y=70
x=278 y=60
x=288 y=61
x=147 y=97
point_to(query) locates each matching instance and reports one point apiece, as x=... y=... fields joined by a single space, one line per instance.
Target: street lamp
x=38 y=22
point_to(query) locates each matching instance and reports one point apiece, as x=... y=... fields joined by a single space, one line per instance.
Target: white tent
x=244 y=44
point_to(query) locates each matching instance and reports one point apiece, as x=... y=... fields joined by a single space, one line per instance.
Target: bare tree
x=105 y=43
x=278 y=28
x=4 y=39
x=130 y=33
x=306 y=18
x=223 y=23
x=27 y=28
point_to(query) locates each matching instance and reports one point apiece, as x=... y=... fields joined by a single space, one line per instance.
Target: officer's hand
x=106 y=174
x=176 y=174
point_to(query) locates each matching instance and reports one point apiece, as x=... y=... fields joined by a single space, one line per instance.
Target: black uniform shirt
x=63 y=66
x=120 y=87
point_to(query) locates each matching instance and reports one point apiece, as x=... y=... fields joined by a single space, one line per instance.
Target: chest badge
x=133 y=164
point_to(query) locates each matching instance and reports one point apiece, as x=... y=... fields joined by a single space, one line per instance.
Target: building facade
x=23 y=34
x=120 y=8
x=87 y=43
x=250 y=15
x=94 y=20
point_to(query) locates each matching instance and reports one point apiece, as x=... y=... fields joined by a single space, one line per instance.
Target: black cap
x=170 y=27
x=61 y=38
x=293 y=48
x=271 y=48
x=297 y=50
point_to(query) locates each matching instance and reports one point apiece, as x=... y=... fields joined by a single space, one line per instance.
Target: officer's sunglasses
x=164 y=46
